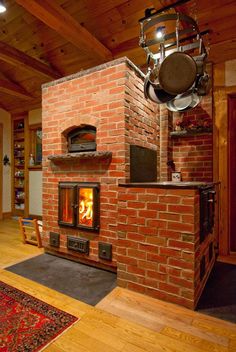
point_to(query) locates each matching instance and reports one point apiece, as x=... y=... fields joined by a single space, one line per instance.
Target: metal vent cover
x=78 y=244
x=54 y=239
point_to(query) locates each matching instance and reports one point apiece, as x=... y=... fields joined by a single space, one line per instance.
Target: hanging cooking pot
x=177 y=73
x=203 y=84
x=184 y=102
x=201 y=63
x=152 y=88
x=154 y=92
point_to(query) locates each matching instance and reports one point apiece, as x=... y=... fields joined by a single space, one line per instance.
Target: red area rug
x=26 y=323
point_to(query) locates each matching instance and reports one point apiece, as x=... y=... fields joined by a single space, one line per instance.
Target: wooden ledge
x=70 y=157
x=35 y=167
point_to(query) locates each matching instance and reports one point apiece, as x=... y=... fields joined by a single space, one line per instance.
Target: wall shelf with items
x=189 y=133
x=19 y=169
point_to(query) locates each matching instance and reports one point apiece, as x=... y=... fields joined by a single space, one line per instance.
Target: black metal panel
x=207 y=212
x=143 y=164
x=54 y=239
x=78 y=244
x=105 y=250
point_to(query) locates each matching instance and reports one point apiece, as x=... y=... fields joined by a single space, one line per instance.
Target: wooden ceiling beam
x=16 y=57
x=11 y=88
x=56 y=18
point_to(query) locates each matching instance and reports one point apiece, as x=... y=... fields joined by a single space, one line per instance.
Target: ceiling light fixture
x=2 y=7
x=160 y=32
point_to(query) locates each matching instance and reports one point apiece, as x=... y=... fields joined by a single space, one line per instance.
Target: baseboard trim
x=228 y=259
x=7 y=215
x=38 y=217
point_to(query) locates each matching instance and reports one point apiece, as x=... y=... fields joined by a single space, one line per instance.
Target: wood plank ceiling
x=43 y=40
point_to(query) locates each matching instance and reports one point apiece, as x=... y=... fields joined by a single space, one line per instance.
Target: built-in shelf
x=35 y=167
x=184 y=133
x=70 y=157
x=19 y=139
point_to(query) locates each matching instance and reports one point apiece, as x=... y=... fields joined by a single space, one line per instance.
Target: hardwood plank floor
x=124 y=320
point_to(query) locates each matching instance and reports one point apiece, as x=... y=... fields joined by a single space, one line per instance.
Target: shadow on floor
x=219 y=296
x=79 y=281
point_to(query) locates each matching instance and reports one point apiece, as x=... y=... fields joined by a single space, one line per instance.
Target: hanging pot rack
x=169 y=69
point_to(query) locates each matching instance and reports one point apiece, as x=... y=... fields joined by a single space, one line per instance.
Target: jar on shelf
x=31 y=160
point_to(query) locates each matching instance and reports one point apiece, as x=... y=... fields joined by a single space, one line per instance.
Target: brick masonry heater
x=104 y=199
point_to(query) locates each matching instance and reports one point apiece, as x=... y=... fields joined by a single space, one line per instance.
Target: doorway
x=1 y=171
x=232 y=171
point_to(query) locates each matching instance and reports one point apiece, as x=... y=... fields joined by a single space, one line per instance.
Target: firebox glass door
x=66 y=205
x=85 y=208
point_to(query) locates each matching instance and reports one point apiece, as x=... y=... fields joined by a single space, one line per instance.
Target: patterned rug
x=26 y=323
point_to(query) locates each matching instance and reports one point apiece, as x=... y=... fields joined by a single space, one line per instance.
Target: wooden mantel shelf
x=70 y=157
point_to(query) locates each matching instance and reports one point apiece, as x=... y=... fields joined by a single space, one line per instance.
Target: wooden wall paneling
x=221 y=152
x=220 y=100
x=1 y=169
x=232 y=169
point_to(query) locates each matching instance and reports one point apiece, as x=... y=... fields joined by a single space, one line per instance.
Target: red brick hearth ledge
x=81 y=155
x=168 y=184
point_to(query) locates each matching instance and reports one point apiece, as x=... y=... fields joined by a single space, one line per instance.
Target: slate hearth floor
x=79 y=281
x=219 y=296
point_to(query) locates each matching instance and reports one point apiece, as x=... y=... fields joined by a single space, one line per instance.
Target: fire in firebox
x=86 y=206
x=79 y=205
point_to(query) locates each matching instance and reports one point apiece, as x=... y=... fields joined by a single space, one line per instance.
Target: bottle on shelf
x=31 y=160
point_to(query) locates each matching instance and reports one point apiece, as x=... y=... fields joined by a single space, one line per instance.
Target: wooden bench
x=30 y=231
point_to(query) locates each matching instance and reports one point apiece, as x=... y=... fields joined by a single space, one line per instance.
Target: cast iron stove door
x=79 y=205
x=67 y=205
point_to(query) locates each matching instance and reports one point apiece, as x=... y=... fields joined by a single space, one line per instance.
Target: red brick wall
x=109 y=97
x=140 y=129
x=193 y=155
x=158 y=248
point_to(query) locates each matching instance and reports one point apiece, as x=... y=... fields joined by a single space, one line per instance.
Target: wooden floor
x=124 y=321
